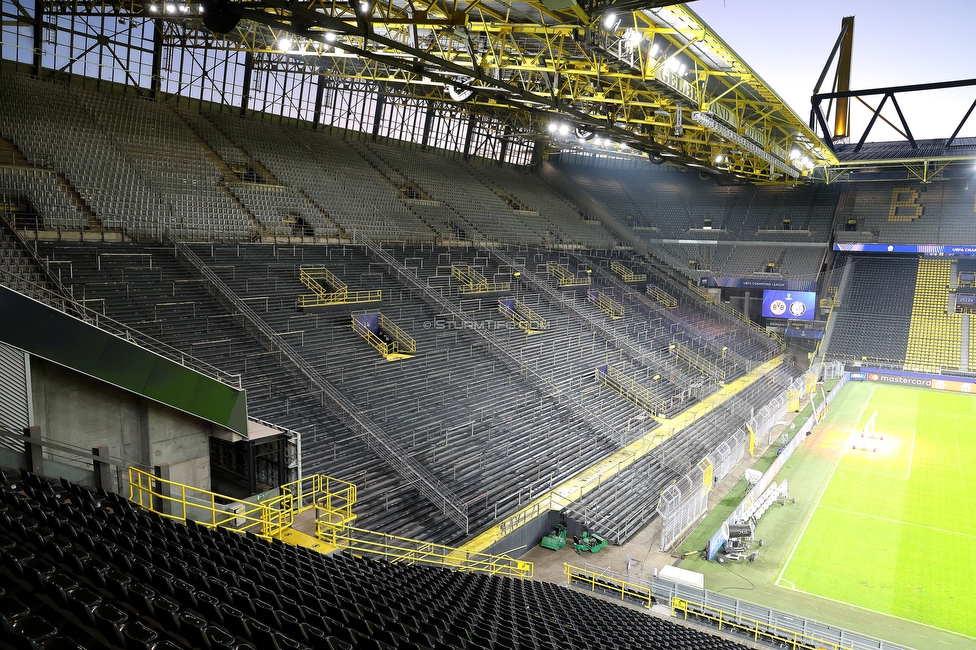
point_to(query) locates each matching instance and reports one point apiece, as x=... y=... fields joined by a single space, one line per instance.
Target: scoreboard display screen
x=792 y=305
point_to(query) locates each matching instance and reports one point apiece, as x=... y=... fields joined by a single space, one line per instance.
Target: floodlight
x=634 y=37
x=563 y=129
x=284 y=43
x=610 y=21
x=170 y=8
x=673 y=64
x=585 y=134
x=654 y=49
x=552 y=127
x=152 y=9
x=795 y=153
x=330 y=37
x=460 y=93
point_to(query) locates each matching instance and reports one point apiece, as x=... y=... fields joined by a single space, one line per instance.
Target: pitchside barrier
x=945 y=383
x=718 y=539
x=762 y=623
x=683 y=504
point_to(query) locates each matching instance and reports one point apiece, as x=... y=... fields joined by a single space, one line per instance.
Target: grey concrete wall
x=182 y=441
x=529 y=534
x=84 y=412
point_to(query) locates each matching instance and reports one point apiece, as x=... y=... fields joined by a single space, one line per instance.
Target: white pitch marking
x=823 y=490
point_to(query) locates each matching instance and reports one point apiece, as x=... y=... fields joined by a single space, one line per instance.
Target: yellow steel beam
x=521 y=57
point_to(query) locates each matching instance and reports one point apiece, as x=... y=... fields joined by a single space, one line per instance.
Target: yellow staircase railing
x=522 y=315
x=662 y=297
x=606 y=304
x=411 y=551
x=626 y=274
x=330 y=290
x=332 y=498
x=384 y=335
x=830 y=301
x=697 y=361
x=564 y=278
x=472 y=281
x=638 y=394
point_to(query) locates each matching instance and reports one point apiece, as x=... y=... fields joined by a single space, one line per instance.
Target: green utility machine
x=588 y=543
x=556 y=539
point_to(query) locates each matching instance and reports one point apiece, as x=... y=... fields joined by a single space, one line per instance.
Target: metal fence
x=764 y=623
x=683 y=503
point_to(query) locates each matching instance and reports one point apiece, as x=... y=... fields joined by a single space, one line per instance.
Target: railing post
x=32 y=450
x=103 y=471
x=161 y=493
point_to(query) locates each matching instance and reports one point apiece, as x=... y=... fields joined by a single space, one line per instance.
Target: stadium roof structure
x=924 y=160
x=646 y=75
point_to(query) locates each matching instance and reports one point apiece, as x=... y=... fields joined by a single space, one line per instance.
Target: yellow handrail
x=412 y=551
x=523 y=316
x=626 y=274
x=759 y=629
x=472 y=281
x=178 y=501
x=640 y=395
x=337 y=292
x=607 y=304
x=626 y=588
x=402 y=342
x=662 y=297
x=332 y=498
x=405 y=343
x=564 y=278
x=695 y=360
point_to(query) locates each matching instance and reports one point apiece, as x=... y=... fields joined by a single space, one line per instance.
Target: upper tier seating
x=875 y=309
x=912 y=213
x=132 y=161
x=662 y=202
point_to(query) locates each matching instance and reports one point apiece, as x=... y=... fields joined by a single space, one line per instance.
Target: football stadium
x=488 y=324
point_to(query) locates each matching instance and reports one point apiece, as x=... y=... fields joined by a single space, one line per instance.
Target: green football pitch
x=894 y=529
